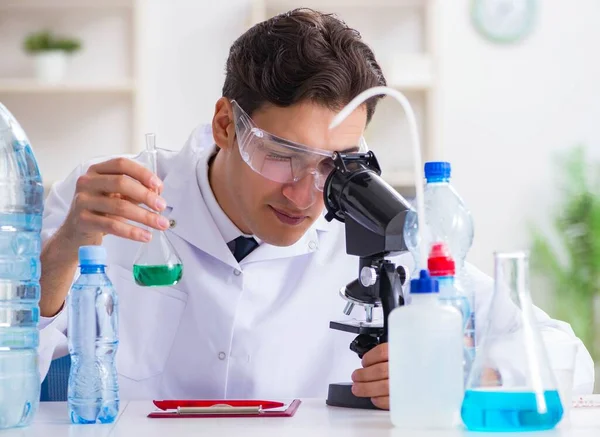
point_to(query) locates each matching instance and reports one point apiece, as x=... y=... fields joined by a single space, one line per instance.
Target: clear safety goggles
x=278 y=159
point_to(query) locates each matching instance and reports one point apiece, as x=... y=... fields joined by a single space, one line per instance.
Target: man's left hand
x=372 y=380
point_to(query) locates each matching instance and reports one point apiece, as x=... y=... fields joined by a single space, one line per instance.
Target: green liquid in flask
x=157 y=262
x=150 y=276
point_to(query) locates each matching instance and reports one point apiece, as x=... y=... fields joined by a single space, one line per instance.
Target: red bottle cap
x=440 y=263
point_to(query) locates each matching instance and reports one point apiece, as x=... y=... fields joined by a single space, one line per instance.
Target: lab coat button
x=312 y=245
x=236 y=272
x=172 y=223
x=222 y=355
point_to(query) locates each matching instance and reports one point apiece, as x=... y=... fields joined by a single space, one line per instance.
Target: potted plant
x=50 y=53
x=567 y=260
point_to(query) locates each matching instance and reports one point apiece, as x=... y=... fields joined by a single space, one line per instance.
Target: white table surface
x=313 y=419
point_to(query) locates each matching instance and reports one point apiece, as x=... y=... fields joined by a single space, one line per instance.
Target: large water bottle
x=93 y=393
x=21 y=208
x=448 y=220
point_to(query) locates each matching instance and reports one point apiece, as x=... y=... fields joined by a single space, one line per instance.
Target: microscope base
x=340 y=395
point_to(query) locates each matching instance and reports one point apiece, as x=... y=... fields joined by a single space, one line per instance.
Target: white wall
x=184 y=46
x=66 y=129
x=507 y=109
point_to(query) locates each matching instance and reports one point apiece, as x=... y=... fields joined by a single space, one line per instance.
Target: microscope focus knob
x=363 y=344
x=402 y=274
x=368 y=276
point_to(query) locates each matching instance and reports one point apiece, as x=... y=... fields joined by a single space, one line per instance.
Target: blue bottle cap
x=92 y=256
x=425 y=284
x=437 y=171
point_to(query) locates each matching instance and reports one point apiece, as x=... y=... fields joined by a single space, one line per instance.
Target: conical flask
x=511 y=386
x=157 y=262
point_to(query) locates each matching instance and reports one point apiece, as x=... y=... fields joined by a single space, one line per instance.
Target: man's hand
x=372 y=380
x=107 y=200
x=108 y=196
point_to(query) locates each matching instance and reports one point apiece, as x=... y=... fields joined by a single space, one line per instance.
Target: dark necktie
x=243 y=246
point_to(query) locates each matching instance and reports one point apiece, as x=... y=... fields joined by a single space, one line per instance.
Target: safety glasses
x=278 y=159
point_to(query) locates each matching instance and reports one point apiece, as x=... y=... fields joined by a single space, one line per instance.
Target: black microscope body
x=374 y=215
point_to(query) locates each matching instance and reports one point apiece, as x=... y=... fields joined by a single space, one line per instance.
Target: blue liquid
x=484 y=410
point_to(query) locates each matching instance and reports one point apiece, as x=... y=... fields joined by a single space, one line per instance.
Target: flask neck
x=91 y=269
x=153 y=164
x=511 y=275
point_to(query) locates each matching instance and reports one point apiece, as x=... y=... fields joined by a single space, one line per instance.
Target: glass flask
x=511 y=386
x=157 y=262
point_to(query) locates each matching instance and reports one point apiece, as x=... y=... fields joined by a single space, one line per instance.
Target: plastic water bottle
x=21 y=208
x=448 y=220
x=441 y=267
x=93 y=393
x=425 y=344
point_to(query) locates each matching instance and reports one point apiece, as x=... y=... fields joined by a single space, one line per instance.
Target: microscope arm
x=391 y=296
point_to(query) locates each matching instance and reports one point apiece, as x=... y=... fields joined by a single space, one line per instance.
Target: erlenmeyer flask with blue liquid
x=511 y=386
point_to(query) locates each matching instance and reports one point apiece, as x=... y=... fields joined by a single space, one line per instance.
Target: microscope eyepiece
x=373 y=212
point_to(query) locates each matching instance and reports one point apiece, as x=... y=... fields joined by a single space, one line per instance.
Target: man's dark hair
x=297 y=56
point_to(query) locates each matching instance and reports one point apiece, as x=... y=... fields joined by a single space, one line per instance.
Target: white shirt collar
x=229 y=231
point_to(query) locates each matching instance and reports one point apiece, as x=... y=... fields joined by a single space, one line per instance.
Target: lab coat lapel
x=307 y=244
x=185 y=205
x=265 y=252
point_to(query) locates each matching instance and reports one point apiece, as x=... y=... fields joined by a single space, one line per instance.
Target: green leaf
x=44 y=41
x=576 y=227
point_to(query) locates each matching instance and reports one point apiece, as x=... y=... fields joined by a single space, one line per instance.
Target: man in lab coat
x=242 y=205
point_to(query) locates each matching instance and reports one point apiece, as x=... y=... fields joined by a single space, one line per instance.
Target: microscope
x=374 y=215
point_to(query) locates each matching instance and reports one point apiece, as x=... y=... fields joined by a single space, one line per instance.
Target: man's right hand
x=108 y=196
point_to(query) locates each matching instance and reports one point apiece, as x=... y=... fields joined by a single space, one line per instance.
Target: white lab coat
x=227 y=330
